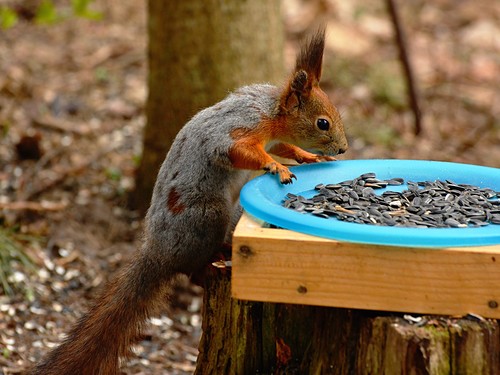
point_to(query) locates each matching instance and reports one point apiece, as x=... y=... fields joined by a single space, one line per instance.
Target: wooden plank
x=275 y=265
x=241 y=337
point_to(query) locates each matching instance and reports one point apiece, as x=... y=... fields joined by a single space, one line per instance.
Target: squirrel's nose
x=342 y=150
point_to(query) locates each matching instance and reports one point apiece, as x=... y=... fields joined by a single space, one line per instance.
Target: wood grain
x=276 y=265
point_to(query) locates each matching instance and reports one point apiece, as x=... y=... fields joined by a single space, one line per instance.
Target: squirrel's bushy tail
x=106 y=332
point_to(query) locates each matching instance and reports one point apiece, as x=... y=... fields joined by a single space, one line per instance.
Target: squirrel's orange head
x=313 y=121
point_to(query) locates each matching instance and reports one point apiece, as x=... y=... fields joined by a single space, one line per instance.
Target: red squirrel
x=195 y=200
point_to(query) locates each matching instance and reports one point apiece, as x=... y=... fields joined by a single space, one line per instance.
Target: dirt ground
x=77 y=89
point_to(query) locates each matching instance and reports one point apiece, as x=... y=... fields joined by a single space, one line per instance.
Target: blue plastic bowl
x=262 y=198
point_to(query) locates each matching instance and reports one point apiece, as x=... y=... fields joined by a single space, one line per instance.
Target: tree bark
x=241 y=337
x=198 y=51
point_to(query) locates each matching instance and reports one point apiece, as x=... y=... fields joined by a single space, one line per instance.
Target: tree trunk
x=266 y=338
x=199 y=50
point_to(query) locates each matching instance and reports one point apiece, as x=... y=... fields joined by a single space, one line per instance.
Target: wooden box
x=277 y=265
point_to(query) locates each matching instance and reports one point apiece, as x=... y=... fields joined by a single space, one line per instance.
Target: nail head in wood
x=302 y=289
x=245 y=251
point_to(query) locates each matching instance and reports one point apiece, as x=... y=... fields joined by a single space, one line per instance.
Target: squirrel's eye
x=322 y=124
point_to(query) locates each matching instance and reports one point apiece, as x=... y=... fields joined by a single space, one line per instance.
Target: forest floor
x=77 y=89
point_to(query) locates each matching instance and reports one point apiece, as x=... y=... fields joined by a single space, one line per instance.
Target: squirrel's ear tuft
x=310 y=57
x=306 y=75
x=297 y=89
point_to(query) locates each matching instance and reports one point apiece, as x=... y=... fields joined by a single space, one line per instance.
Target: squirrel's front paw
x=308 y=157
x=285 y=175
x=326 y=158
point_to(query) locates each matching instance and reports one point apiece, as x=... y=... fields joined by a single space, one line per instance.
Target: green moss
x=8 y=17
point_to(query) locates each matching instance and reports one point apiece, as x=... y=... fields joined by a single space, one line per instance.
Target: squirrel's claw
x=308 y=157
x=286 y=177
x=288 y=180
x=327 y=158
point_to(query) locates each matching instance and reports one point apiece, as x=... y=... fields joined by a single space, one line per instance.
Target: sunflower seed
x=424 y=204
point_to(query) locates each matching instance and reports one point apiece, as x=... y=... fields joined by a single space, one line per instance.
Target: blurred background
x=73 y=107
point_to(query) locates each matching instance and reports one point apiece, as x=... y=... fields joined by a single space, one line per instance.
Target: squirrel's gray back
x=197 y=189
x=209 y=131
x=198 y=158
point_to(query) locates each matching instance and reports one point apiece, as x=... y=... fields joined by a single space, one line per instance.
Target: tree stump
x=241 y=337
x=320 y=298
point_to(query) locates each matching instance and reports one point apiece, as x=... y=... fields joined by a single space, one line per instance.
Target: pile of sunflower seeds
x=426 y=204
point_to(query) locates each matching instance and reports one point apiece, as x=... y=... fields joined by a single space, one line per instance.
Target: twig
x=60 y=125
x=65 y=174
x=413 y=94
x=33 y=206
x=44 y=160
